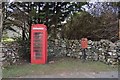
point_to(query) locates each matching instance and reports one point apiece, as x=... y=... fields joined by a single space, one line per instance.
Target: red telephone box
x=38 y=44
x=84 y=43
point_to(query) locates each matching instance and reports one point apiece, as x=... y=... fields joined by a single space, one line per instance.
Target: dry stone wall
x=103 y=50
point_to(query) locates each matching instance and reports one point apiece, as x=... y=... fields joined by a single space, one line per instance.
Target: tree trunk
x=23 y=32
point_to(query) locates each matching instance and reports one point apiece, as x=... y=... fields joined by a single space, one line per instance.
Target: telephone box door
x=39 y=44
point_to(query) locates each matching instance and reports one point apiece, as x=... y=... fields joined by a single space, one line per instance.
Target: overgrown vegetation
x=83 y=24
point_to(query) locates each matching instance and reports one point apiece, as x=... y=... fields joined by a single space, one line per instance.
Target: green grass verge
x=61 y=65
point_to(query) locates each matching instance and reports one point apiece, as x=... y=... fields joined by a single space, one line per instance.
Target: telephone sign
x=38 y=44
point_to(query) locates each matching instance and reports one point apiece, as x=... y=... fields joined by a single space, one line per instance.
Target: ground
x=62 y=68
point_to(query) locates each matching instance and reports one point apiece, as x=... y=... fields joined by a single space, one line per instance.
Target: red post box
x=38 y=44
x=84 y=43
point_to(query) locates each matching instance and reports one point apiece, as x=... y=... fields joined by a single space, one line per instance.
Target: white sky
x=11 y=1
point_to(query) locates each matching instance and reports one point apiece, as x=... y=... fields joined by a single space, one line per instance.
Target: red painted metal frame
x=43 y=58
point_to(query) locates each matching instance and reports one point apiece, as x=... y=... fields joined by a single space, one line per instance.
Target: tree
x=84 y=24
x=14 y=16
x=117 y=4
x=51 y=13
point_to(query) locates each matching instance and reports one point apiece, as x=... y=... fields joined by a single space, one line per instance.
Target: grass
x=61 y=65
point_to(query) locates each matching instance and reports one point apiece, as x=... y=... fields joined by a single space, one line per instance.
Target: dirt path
x=112 y=74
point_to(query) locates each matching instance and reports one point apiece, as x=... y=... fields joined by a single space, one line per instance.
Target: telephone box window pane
x=37 y=50
x=37 y=44
x=37 y=55
x=37 y=40
x=37 y=35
